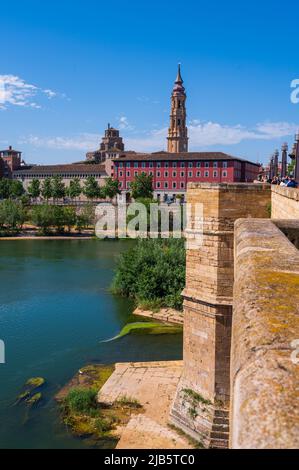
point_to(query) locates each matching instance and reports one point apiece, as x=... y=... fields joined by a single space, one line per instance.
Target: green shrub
x=152 y=271
x=12 y=215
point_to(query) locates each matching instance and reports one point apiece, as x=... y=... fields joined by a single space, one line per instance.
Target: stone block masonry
x=201 y=403
x=285 y=202
x=264 y=366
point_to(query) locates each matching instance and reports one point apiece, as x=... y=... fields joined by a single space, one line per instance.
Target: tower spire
x=179 y=76
x=178 y=132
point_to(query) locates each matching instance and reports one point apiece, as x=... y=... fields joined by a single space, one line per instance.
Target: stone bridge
x=240 y=382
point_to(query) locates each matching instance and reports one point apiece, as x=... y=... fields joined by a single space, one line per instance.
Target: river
x=55 y=309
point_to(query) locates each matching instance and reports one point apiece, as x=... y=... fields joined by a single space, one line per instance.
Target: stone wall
x=201 y=404
x=264 y=378
x=285 y=202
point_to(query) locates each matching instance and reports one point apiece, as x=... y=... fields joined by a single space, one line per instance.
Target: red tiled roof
x=74 y=168
x=185 y=156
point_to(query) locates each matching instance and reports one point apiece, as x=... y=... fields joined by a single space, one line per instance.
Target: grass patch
x=129 y=402
x=196 y=397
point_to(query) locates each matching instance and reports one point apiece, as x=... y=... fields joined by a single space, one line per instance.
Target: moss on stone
x=150 y=328
x=34 y=399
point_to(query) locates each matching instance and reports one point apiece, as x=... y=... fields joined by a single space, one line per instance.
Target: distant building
x=171 y=172
x=67 y=172
x=111 y=146
x=10 y=160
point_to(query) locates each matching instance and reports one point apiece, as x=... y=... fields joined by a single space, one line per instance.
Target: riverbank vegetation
x=152 y=272
x=85 y=416
x=45 y=219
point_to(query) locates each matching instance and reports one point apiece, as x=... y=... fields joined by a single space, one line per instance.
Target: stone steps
x=220 y=430
x=219 y=444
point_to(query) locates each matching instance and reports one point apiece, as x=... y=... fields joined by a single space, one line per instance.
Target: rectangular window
x=182 y=174
x=207 y=165
x=143 y=165
x=182 y=185
x=190 y=165
x=224 y=174
x=166 y=185
x=158 y=174
x=224 y=165
x=120 y=173
x=128 y=174
x=215 y=174
x=121 y=165
x=158 y=164
x=158 y=184
x=166 y=165
x=174 y=185
x=190 y=174
x=198 y=165
x=151 y=165
x=128 y=165
x=215 y=164
x=135 y=173
x=174 y=174
x=207 y=174
x=182 y=165
x=198 y=174
x=166 y=174
x=151 y=173
x=136 y=165
x=174 y=165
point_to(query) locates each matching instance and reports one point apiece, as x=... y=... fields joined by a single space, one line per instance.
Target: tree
x=43 y=217
x=142 y=186
x=16 y=189
x=34 y=189
x=91 y=188
x=74 y=189
x=70 y=217
x=12 y=215
x=291 y=168
x=11 y=189
x=4 y=188
x=86 y=217
x=58 y=188
x=47 y=189
x=111 y=188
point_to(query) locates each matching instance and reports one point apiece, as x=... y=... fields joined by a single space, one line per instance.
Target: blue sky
x=68 y=68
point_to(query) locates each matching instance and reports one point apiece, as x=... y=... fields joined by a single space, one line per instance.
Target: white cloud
x=82 y=142
x=210 y=133
x=202 y=135
x=14 y=91
x=124 y=124
x=50 y=93
x=206 y=134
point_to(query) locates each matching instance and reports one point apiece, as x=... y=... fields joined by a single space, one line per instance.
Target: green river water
x=55 y=309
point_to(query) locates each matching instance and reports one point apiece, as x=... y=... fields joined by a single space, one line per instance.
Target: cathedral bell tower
x=178 y=132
